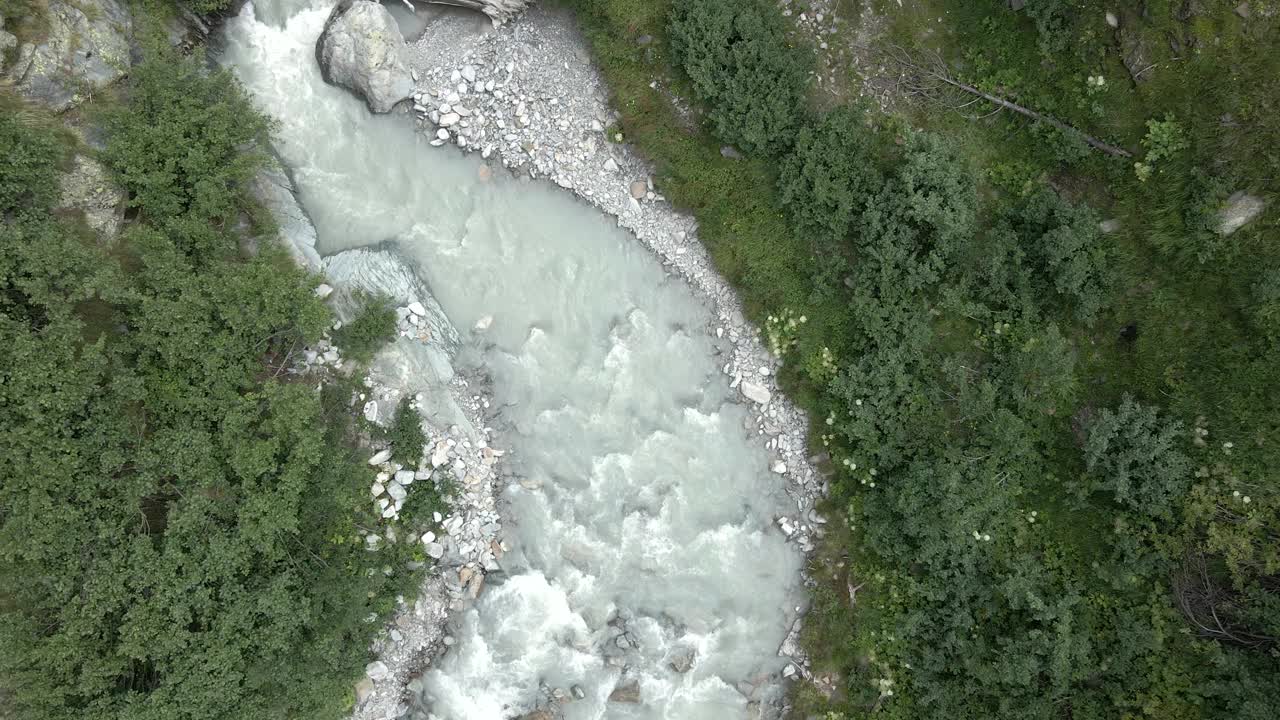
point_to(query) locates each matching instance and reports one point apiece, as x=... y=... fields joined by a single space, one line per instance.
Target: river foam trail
x=643 y=501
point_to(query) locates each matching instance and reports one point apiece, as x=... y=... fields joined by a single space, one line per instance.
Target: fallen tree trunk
x=936 y=71
x=499 y=10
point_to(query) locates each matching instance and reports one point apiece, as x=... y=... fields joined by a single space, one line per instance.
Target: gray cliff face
x=87 y=48
x=361 y=49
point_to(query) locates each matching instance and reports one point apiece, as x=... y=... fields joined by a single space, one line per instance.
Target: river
x=643 y=498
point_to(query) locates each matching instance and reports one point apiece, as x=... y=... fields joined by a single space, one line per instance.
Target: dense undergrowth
x=179 y=517
x=1053 y=448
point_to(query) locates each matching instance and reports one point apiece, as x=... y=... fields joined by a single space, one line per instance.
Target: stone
x=450 y=119
x=364 y=689
x=1244 y=11
x=577 y=692
x=730 y=152
x=756 y=393
x=1109 y=226
x=361 y=49
x=377 y=670
x=404 y=477
x=85 y=49
x=323 y=290
x=89 y=189
x=396 y=491
x=380 y=457
x=1112 y=20
x=626 y=693
x=611 y=165
x=682 y=661
x=428 y=537
x=780 y=467
x=440 y=455
x=469 y=73
x=417 y=308
x=377 y=489
x=538 y=715
x=435 y=550
x=442 y=134
x=484 y=323
x=1240 y=209
x=1135 y=53
x=639 y=189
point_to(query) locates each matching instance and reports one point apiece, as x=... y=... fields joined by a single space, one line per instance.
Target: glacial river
x=643 y=496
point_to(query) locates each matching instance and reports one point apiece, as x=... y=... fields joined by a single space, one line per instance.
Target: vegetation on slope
x=179 y=517
x=1052 y=447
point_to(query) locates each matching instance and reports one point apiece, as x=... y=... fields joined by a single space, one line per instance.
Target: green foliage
x=373 y=325
x=1066 y=251
x=1134 y=454
x=405 y=434
x=828 y=177
x=1266 y=305
x=181 y=146
x=32 y=157
x=1053 y=25
x=180 y=532
x=741 y=64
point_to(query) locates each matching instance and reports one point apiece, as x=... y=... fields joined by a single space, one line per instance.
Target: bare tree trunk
x=499 y=10
x=936 y=71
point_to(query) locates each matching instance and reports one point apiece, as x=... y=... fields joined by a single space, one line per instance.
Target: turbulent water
x=642 y=495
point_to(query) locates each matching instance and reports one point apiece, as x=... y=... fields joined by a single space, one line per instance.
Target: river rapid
x=643 y=505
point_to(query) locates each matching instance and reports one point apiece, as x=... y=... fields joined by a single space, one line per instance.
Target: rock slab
x=86 y=49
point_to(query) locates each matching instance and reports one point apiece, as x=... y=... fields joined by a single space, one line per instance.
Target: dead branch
x=1200 y=599
x=926 y=74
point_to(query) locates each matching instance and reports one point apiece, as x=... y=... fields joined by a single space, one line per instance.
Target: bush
x=405 y=434
x=373 y=325
x=1133 y=453
x=1066 y=249
x=738 y=58
x=32 y=156
x=828 y=177
x=183 y=145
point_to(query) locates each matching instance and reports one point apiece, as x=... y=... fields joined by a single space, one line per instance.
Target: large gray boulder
x=361 y=49
x=1240 y=209
x=86 y=49
x=90 y=190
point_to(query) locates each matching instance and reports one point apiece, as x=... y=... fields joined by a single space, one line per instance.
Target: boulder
x=538 y=715
x=1241 y=208
x=89 y=189
x=362 y=50
x=498 y=10
x=275 y=190
x=626 y=693
x=755 y=392
x=86 y=49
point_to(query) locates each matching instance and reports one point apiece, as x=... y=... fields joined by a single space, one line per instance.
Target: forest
x=179 y=516
x=1043 y=379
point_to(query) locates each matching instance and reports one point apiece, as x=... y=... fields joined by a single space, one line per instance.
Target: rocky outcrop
x=89 y=189
x=361 y=49
x=86 y=49
x=274 y=189
x=1240 y=209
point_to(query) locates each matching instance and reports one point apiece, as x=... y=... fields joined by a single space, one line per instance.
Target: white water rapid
x=643 y=497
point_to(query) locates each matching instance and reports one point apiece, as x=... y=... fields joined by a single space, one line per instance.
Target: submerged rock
x=626 y=693
x=86 y=49
x=361 y=49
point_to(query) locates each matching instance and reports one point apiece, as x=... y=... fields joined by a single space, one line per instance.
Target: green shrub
x=32 y=156
x=373 y=325
x=1133 y=453
x=184 y=145
x=737 y=55
x=828 y=177
x=405 y=434
x=1066 y=249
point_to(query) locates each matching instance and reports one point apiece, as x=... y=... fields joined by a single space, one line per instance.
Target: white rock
x=377 y=489
x=435 y=550
x=611 y=165
x=380 y=457
x=484 y=323
x=756 y=393
x=428 y=537
x=442 y=134
x=396 y=492
x=469 y=73
x=416 y=308
x=780 y=467
x=377 y=670
x=450 y=119
x=323 y=290
x=440 y=455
